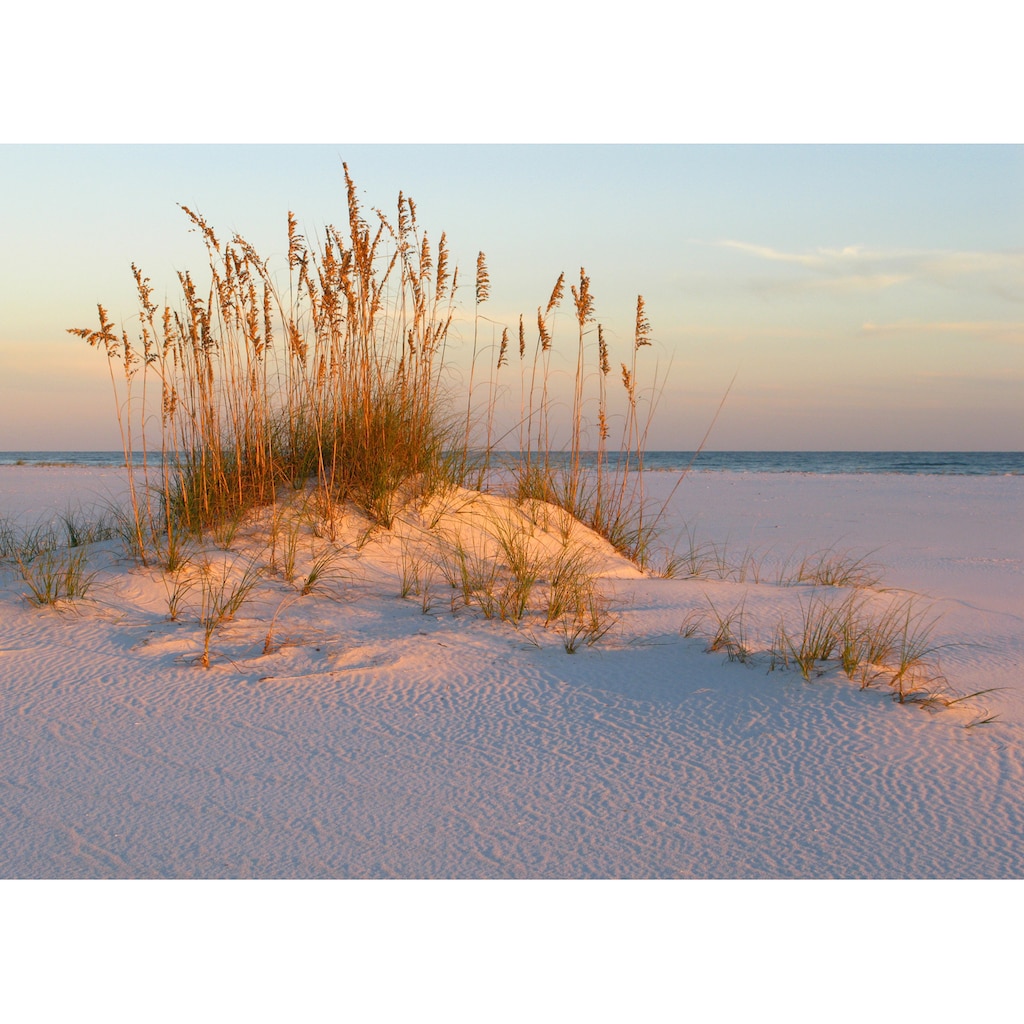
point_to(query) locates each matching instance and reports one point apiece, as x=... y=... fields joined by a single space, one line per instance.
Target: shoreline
x=844 y=462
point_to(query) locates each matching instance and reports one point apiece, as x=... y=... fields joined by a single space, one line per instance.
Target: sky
x=824 y=214
x=837 y=296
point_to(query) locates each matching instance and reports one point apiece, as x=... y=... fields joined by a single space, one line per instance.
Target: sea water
x=817 y=462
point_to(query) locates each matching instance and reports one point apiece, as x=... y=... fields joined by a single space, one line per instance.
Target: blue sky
x=863 y=296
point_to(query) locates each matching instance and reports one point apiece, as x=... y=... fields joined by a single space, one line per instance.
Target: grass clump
x=223 y=591
x=52 y=561
x=895 y=645
x=55 y=575
x=832 y=568
x=872 y=644
x=818 y=637
x=519 y=564
x=256 y=388
x=728 y=634
x=335 y=378
x=340 y=375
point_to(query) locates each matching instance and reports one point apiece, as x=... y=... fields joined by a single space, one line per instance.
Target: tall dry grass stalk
x=337 y=378
x=334 y=377
x=603 y=490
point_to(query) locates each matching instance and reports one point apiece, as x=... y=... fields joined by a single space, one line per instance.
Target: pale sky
x=864 y=297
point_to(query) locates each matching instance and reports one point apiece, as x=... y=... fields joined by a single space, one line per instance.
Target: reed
x=336 y=377
x=259 y=387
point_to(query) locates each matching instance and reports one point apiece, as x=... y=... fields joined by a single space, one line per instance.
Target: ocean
x=822 y=463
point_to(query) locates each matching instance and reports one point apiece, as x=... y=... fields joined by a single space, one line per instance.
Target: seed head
x=483 y=281
x=556 y=293
x=545 y=334
x=583 y=299
x=643 y=326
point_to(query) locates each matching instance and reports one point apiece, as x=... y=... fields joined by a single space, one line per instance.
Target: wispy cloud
x=857 y=267
x=997 y=379
x=999 y=330
x=816 y=260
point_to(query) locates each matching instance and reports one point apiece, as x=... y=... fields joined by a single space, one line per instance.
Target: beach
x=378 y=736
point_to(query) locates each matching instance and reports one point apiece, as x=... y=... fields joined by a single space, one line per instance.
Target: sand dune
x=377 y=736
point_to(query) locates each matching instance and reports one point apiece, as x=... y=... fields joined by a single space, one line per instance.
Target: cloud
x=992 y=330
x=818 y=259
x=856 y=267
x=995 y=382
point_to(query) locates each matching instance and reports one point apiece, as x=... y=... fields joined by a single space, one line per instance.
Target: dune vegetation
x=340 y=381
x=337 y=388
x=273 y=428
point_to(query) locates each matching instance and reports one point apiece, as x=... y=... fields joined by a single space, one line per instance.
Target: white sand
x=379 y=741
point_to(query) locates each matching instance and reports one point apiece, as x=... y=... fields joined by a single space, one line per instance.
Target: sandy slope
x=377 y=739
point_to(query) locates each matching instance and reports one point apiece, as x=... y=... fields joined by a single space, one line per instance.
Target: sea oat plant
x=834 y=568
x=334 y=378
x=729 y=633
x=337 y=377
x=819 y=636
x=55 y=575
x=80 y=532
x=323 y=570
x=331 y=379
x=915 y=671
x=524 y=563
x=894 y=645
x=223 y=591
x=603 y=490
x=410 y=573
x=8 y=540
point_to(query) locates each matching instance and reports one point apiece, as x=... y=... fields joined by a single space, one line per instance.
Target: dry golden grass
x=334 y=383
x=338 y=377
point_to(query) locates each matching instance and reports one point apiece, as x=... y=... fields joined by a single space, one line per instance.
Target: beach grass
x=341 y=375
x=55 y=575
x=729 y=634
x=335 y=383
